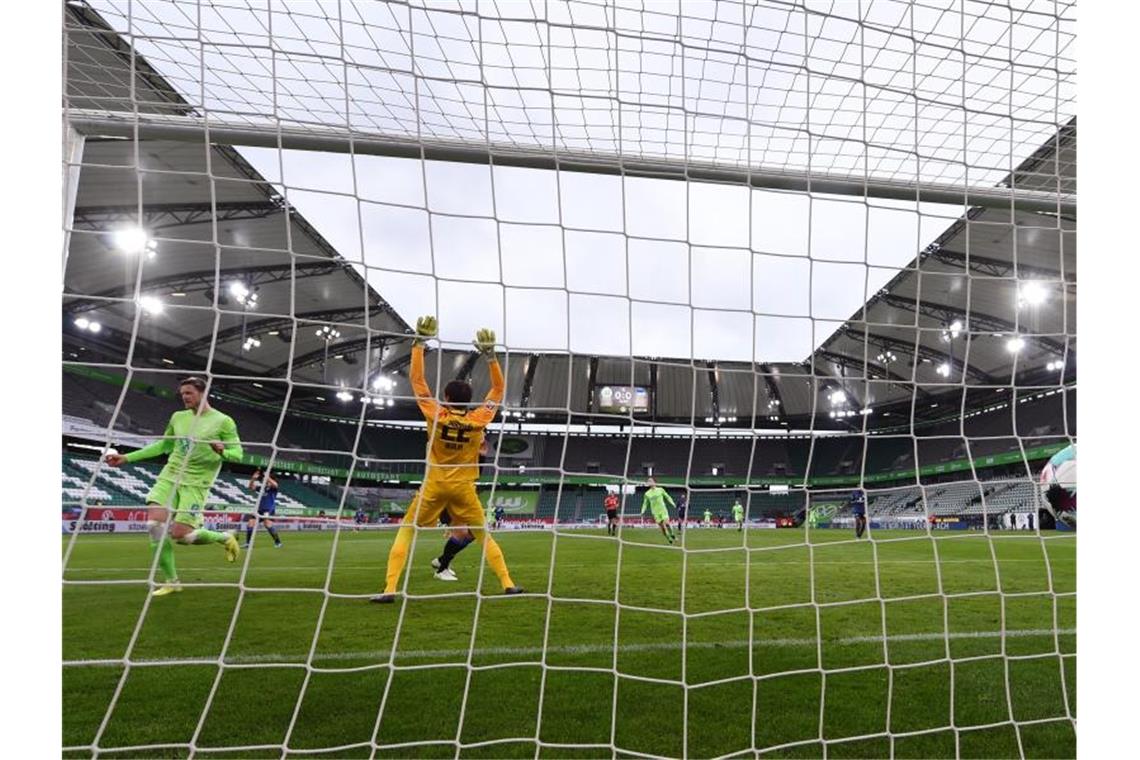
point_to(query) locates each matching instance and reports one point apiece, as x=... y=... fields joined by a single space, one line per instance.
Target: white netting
x=268 y=195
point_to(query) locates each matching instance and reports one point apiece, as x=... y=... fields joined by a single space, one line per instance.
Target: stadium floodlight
x=151 y=304
x=838 y=397
x=90 y=325
x=944 y=369
x=886 y=357
x=1031 y=293
x=328 y=334
x=250 y=344
x=243 y=295
x=344 y=395
x=952 y=331
x=131 y=239
x=1015 y=344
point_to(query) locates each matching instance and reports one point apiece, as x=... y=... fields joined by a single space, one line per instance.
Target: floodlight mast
x=333 y=140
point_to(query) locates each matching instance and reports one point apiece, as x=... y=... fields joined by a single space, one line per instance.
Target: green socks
x=203 y=536
x=166 y=558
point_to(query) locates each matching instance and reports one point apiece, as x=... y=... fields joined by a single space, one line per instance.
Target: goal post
x=330 y=140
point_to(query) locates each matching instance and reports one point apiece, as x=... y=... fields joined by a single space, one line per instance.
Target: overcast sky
x=598 y=263
x=689 y=269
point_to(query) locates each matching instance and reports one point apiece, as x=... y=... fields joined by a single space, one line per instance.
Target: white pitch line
x=654 y=646
x=374 y=566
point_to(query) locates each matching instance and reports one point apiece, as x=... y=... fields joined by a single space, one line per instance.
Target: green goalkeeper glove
x=426 y=327
x=485 y=341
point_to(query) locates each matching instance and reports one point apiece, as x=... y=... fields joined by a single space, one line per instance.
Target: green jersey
x=708 y=516
x=654 y=501
x=737 y=512
x=192 y=461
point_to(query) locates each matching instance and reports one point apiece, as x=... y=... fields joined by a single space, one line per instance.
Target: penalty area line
x=572 y=649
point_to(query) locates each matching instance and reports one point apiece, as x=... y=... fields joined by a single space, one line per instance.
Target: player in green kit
x=197 y=440
x=654 y=501
x=738 y=515
x=708 y=518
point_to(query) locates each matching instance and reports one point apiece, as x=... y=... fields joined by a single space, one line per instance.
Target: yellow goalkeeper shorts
x=459 y=499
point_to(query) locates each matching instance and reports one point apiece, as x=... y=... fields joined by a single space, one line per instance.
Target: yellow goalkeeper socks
x=397 y=558
x=495 y=559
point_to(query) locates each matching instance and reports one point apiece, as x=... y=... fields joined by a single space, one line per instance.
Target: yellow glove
x=426 y=327
x=485 y=341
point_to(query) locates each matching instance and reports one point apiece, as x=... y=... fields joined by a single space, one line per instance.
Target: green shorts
x=187 y=502
x=659 y=515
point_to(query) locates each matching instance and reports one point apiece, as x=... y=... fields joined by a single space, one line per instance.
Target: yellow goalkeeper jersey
x=454 y=435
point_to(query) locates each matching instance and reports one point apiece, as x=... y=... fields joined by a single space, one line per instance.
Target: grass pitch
x=781 y=649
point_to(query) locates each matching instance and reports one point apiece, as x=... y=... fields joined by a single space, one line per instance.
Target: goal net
x=799 y=274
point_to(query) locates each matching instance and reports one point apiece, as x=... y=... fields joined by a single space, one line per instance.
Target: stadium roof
x=965 y=276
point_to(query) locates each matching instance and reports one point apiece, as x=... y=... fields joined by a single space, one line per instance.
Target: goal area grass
x=772 y=641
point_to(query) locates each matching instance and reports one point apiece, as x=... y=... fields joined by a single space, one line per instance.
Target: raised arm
x=424 y=398
x=425 y=328
x=485 y=343
x=498 y=383
x=668 y=498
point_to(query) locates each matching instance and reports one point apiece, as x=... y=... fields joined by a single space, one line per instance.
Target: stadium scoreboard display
x=621 y=399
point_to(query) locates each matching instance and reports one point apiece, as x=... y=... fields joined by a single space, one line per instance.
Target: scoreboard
x=620 y=399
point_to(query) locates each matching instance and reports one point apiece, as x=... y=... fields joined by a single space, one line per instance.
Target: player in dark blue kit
x=360 y=518
x=500 y=514
x=682 y=508
x=266 y=508
x=859 y=510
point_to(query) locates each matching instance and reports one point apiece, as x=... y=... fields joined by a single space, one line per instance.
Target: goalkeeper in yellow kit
x=455 y=434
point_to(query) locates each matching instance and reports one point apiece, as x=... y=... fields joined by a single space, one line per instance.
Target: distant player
x=708 y=519
x=500 y=516
x=197 y=440
x=611 y=506
x=455 y=435
x=359 y=519
x=738 y=515
x=654 y=501
x=266 y=508
x=682 y=510
x=1058 y=484
x=858 y=503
